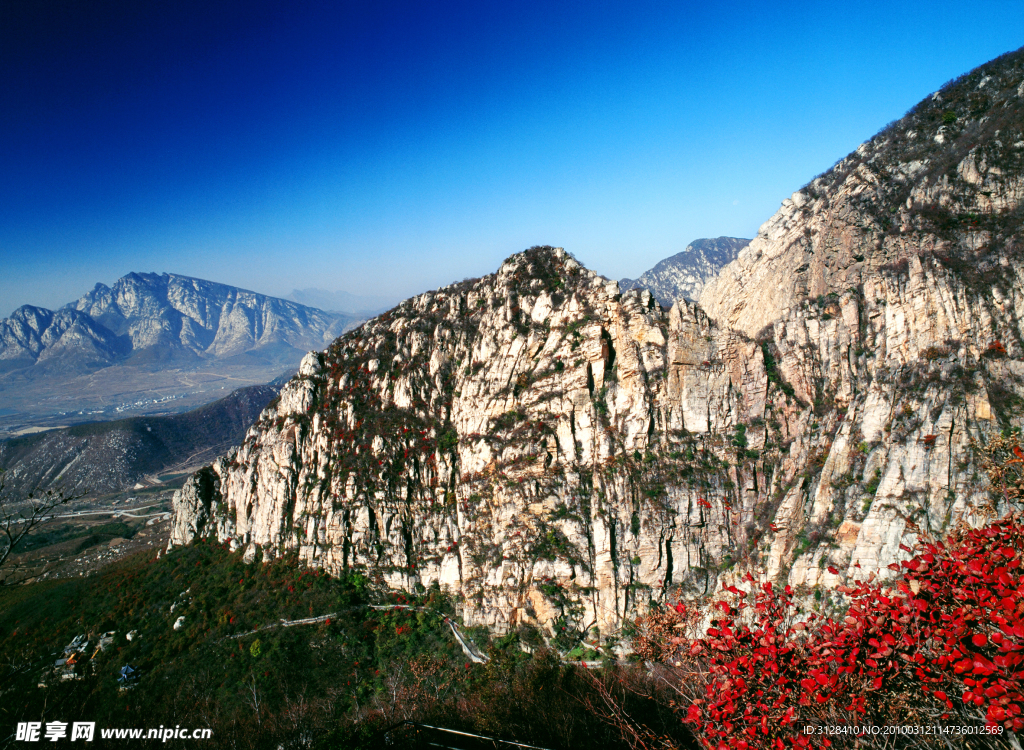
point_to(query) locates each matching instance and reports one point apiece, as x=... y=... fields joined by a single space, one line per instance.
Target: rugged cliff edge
x=944 y=182
x=558 y=453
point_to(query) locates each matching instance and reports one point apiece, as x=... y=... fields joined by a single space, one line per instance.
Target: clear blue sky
x=390 y=147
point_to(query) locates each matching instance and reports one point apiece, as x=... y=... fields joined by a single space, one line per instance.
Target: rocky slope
x=35 y=335
x=945 y=183
x=558 y=453
x=684 y=275
x=106 y=457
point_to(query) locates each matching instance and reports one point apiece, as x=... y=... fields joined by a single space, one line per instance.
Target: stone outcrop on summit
x=558 y=453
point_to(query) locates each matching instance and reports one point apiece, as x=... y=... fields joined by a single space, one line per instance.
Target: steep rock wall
x=946 y=181
x=514 y=438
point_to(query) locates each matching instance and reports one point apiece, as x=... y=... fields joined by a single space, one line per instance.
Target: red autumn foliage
x=996 y=349
x=943 y=644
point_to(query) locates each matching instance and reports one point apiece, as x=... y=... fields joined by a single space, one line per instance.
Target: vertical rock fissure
x=607 y=350
x=669 y=567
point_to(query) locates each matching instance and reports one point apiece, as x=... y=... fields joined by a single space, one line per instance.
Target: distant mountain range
x=110 y=456
x=342 y=302
x=161 y=317
x=147 y=340
x=684 y=275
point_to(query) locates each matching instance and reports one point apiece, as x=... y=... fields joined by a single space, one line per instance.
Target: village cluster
x=76 y=655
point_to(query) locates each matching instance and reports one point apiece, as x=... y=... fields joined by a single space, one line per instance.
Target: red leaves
x=952 y=625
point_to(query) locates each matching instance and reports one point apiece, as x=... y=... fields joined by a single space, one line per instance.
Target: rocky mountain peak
x=34 y=318
x=482 y=437
x=148 y=332
x=542 y=267
x=174 y=313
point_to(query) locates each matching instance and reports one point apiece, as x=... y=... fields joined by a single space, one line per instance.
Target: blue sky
x=391 y=147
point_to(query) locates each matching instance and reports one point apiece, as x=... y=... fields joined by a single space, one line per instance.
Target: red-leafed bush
x=995 y=349
x=941 y=646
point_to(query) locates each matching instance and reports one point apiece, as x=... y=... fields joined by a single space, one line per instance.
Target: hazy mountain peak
x=154 y=323
x=683 y=275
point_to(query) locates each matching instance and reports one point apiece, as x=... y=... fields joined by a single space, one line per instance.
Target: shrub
x=944 y=644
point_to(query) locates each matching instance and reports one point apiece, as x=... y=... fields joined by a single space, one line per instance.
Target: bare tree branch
x=36 y=508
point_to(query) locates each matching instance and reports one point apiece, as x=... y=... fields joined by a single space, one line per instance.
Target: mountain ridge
x=559 y=453
x=150 y=341
x=177 y=312
x=951 y=166
x=103 y=457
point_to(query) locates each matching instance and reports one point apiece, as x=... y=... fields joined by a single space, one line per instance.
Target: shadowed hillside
x=109 y=456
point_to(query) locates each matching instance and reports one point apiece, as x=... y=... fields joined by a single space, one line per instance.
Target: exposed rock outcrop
x=945 y=182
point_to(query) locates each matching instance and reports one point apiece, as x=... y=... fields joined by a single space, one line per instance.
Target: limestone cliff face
x=558 y=453
x=546 y=447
